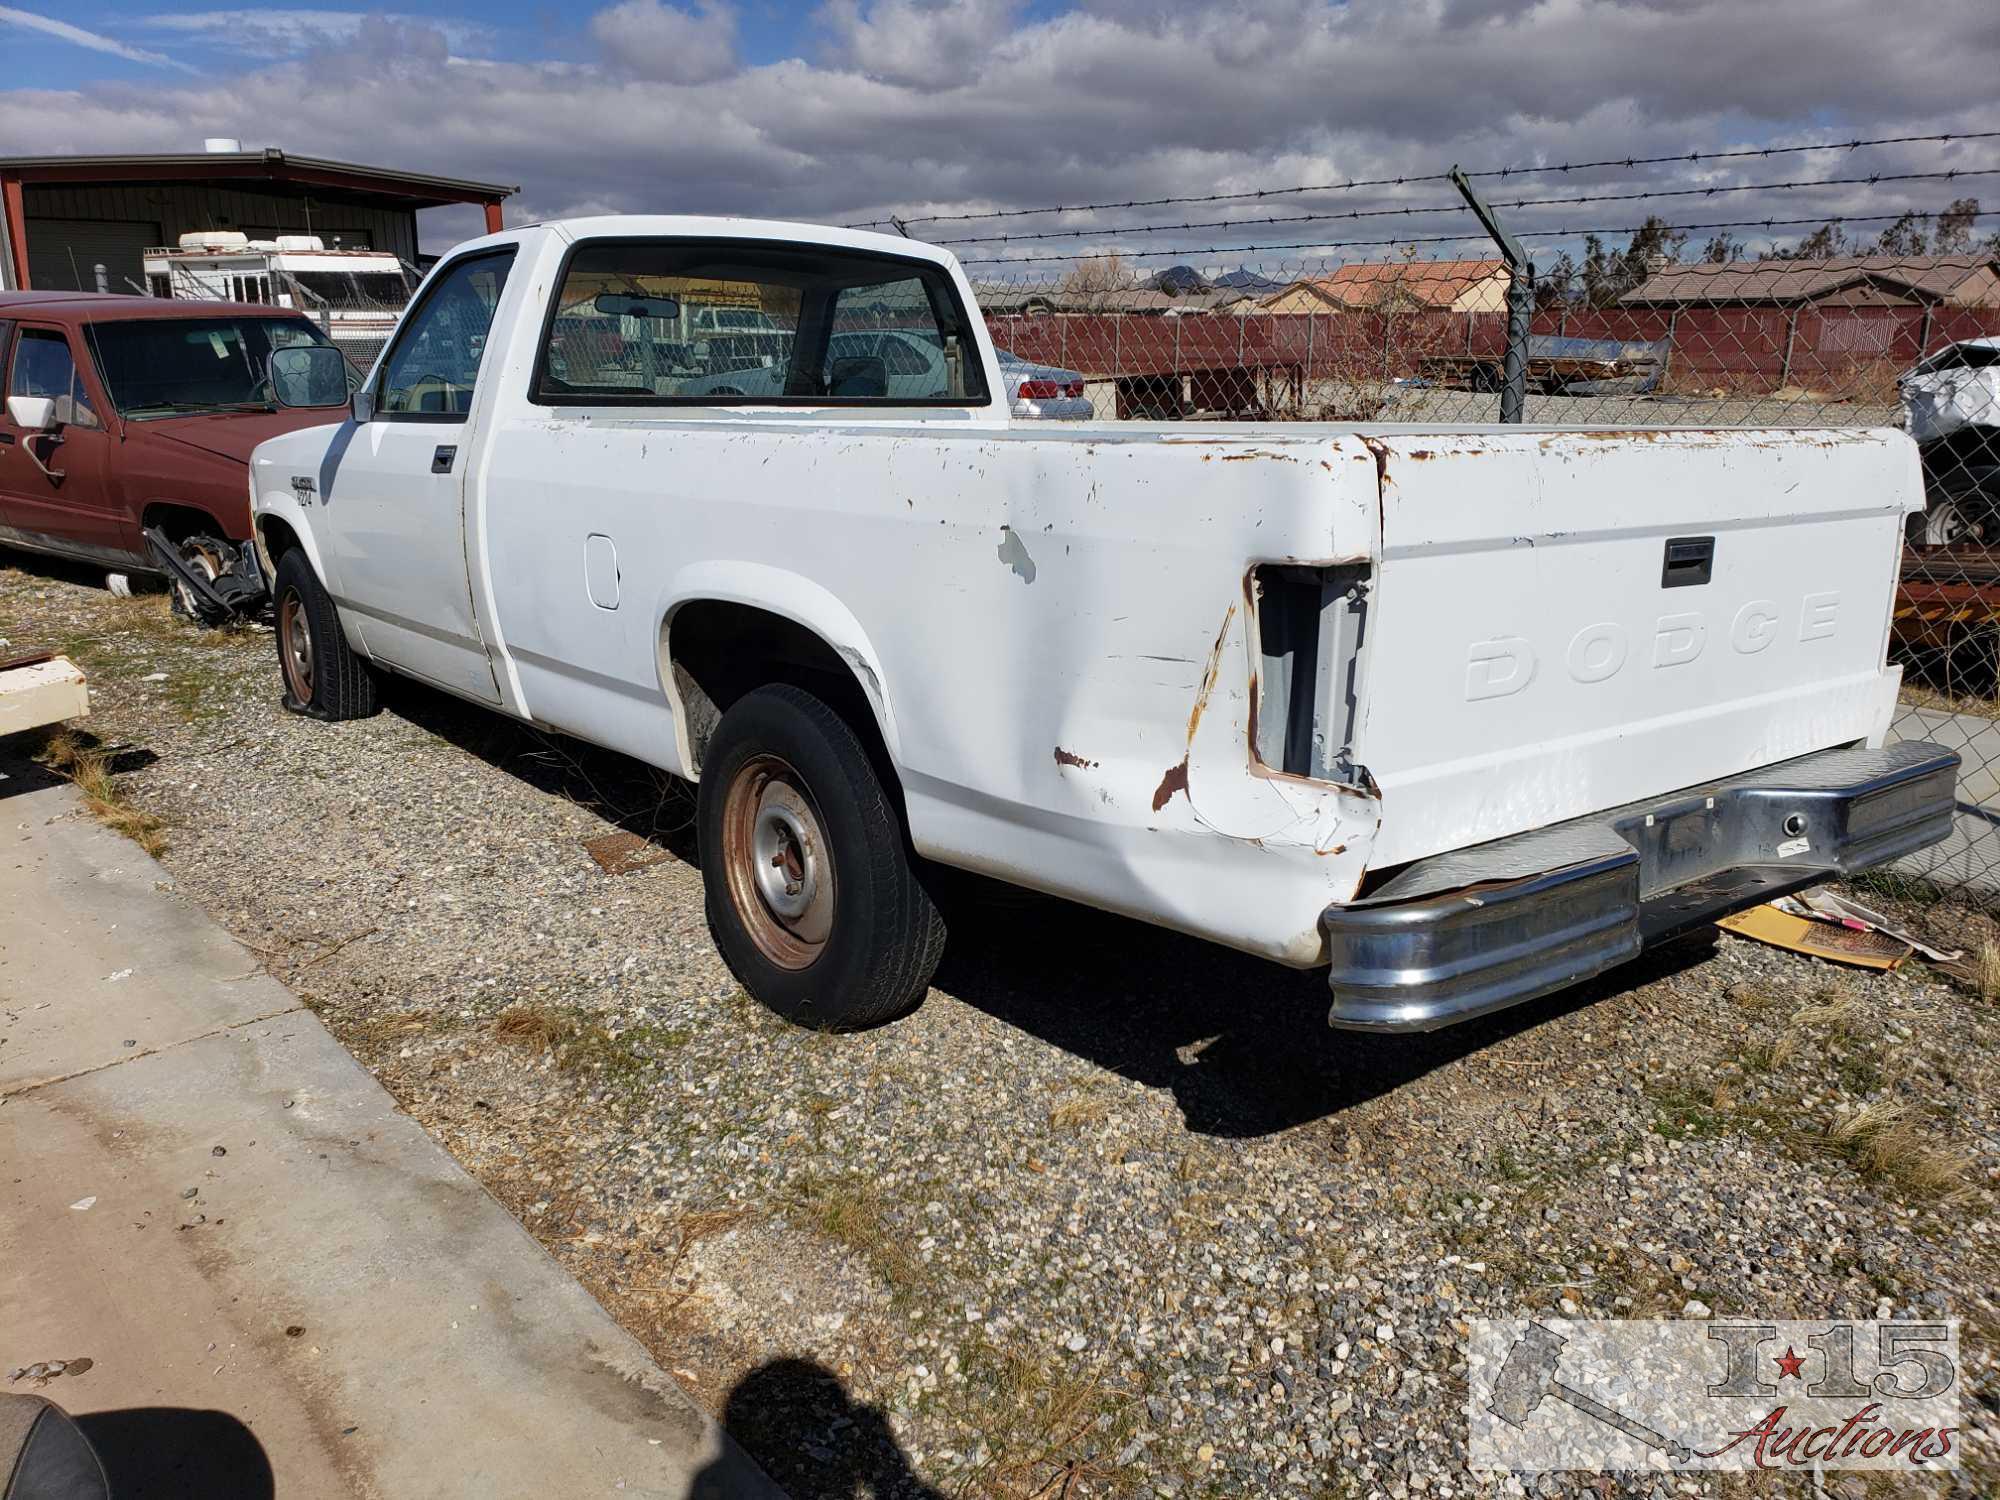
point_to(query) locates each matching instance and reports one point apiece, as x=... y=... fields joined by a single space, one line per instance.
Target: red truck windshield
x=159 y=367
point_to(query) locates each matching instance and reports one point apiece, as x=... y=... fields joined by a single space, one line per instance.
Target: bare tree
x=1099 y=274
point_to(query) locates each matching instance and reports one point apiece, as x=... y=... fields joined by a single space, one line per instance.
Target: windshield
x=362 y=289
x=161 y=366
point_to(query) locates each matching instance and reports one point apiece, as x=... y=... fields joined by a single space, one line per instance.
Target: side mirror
x=361 y=405
x=309 y=375
x=33 y=413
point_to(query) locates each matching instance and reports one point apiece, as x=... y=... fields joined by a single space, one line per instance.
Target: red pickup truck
x=126 y=430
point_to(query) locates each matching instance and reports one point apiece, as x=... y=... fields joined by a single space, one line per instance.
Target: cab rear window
x=750 y=323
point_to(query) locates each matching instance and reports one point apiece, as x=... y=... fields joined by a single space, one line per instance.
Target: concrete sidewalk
x=281 y=1284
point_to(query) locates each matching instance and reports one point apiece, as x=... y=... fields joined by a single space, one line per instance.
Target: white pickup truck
x=1464 y=713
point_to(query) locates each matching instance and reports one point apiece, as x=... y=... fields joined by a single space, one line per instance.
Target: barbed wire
x=1419 y=177
x=1413 y=211
x=1481 y=238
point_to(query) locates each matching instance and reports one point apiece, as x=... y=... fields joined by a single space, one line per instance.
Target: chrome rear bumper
x=1461 y=934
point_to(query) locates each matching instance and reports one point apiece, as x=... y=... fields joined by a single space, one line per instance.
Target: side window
x=433 y=367
x=43 y=367
x=737 y=322
x=892 y=322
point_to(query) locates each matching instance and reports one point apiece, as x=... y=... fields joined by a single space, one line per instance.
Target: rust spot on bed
x=1176 y=780
x=1071 y=758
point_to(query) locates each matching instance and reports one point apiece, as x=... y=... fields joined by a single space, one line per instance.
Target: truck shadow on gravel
x=1242 y=1044
x=629 y=795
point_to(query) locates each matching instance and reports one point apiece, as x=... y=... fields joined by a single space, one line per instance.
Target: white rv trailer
x=356 y=295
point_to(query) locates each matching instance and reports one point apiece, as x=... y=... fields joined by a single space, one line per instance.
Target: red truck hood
x=231 y=434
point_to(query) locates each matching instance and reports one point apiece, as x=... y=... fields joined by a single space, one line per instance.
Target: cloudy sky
x=852 y=109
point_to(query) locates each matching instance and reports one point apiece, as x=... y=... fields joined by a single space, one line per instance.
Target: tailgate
x=1565 y=622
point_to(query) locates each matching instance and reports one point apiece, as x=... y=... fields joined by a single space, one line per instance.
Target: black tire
x=323 y=678
x=785 y=772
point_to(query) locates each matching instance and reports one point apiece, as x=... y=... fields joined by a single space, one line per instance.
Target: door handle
x=441 y=460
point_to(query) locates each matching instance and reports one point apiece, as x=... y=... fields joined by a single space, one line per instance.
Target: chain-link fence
x=1884 y=314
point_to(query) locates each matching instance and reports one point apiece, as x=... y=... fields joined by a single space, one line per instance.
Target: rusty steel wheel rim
x=295 y=645
x=778 y=865
x=205 y=561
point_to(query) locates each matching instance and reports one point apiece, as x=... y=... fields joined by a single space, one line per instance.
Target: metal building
x=61 y=217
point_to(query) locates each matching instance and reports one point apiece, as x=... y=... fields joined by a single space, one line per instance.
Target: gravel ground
x=1114 y=1213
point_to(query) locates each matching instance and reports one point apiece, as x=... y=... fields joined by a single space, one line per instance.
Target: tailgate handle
x=1690 y=560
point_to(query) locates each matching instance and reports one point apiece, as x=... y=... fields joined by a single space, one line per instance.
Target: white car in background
x=914 y=365
x=1951 y=406
x=1048 y=392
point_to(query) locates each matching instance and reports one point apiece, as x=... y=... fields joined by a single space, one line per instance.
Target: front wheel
x=812 y=891
x=323 y=676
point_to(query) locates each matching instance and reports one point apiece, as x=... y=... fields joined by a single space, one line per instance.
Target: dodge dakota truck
x=1461 y=714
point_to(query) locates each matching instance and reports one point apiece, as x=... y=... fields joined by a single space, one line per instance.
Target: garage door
x=63 y=252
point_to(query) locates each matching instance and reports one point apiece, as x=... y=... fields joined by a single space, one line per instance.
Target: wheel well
x=275 y=538
x=180 y=522
x=718 y=651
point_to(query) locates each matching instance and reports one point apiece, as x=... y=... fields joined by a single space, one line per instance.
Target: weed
x=87 y=764
x=851 y=1211
x=579 y=1045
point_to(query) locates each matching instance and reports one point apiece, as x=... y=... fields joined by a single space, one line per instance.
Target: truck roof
x=118 y=307
x=716 y=226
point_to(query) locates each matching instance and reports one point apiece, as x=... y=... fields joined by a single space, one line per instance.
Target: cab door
x=57 y=490
x=392 y=503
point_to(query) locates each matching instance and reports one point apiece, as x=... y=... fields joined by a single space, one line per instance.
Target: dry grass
x=1832 y=1008
x=87 y=764
x=1077 y=1111
x=382 y=1030
x=1883 y=1139
x=1083 y=1103
x=1051 y=1430
x=1986 y=971
x=535 y=1026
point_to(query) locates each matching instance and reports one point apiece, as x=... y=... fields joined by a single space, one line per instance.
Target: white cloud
x=919 y=109
x=645 y=39
x=270 y=32
x=95 y=41
x=929 y=44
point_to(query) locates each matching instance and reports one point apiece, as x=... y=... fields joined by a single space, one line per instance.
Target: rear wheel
x=323 y=677
x=812 y=890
